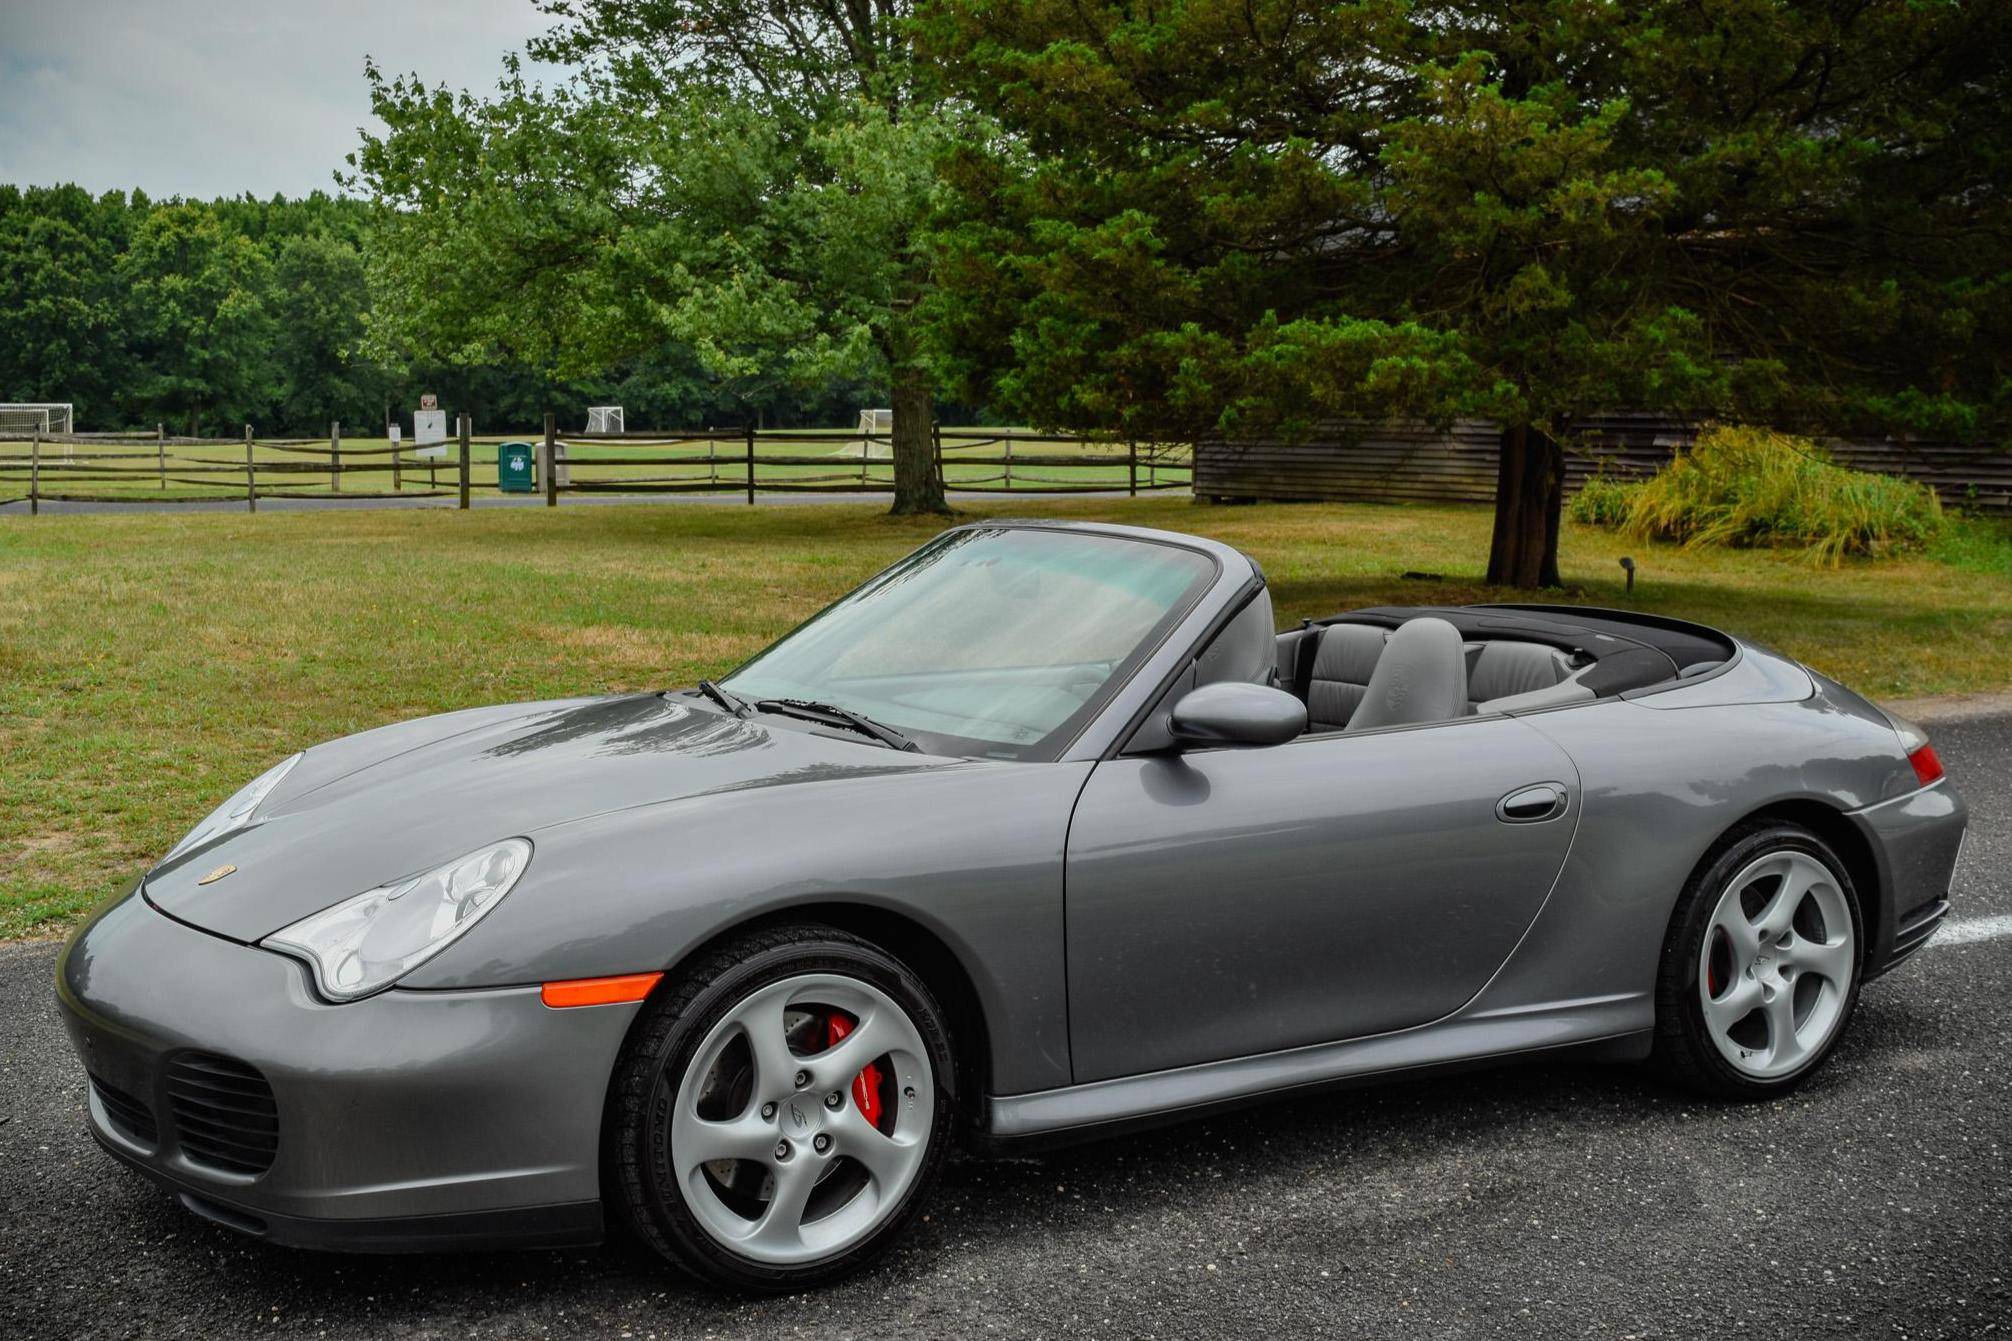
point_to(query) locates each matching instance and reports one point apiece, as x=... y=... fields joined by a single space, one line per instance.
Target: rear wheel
x=780 y=1115
x=1760 y=970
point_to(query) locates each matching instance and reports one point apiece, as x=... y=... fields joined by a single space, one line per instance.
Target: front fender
x=973 y=853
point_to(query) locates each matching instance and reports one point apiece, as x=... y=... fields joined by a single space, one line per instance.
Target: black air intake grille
x=128 y=1114
x=223 y=1112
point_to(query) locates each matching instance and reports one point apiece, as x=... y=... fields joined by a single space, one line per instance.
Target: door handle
x=1530 y=805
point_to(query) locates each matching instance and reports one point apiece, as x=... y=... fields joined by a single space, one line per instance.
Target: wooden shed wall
x=1406 y=462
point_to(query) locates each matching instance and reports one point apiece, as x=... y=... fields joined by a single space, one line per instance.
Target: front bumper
x=407 y=1120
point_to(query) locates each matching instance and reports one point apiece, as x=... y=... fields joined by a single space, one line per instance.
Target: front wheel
x=1760 y=972
x=780 y=1115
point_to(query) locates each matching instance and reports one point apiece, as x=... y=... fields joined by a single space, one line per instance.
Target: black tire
x=1684 y=1051
x=645 y=1192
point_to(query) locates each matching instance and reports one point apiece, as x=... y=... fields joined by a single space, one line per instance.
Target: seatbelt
x=1306 y=653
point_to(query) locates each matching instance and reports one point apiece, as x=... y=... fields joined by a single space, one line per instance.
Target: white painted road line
x=1973 y=929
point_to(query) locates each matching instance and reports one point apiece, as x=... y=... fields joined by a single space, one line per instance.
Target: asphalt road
x=1536 y=1202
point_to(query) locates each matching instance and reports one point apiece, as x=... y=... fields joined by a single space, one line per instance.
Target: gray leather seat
x=1343 y=661
x=1503 y=669
x=1329 y=666
x=1420 y=677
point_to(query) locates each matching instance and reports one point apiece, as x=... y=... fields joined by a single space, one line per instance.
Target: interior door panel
x=1223 y=903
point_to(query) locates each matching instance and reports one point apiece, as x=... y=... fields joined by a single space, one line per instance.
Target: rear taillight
x=1920 y=754
x=1927 y=768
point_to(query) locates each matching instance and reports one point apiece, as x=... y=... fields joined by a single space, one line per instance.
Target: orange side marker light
x=598 y=991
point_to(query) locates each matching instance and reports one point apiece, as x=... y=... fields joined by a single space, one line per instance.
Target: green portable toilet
x=514 y=471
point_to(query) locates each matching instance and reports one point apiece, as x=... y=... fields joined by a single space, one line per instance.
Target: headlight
x=364 y=944
x=237 y=811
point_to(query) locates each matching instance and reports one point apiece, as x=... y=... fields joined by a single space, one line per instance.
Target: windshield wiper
x=812 y=710
x=733 y=703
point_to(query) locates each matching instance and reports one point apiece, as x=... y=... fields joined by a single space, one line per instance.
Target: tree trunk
x=918 y=481
x=1529 y=499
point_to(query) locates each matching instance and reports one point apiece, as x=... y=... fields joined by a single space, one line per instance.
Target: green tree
x=69 y=332
x=60 y=337
x=196 y=319
x=749 y=183
x=1213 y=216
x=319 y=302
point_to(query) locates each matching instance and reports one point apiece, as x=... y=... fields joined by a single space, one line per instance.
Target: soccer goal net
x=878 y=423
x=605 y=419
x=24 y=419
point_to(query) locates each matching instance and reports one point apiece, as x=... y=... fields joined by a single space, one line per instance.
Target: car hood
x=371 y=809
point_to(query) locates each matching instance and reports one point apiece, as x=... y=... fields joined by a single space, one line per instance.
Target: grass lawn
x=151 y=664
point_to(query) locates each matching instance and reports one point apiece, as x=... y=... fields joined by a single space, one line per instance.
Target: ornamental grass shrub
x=1755 y=488
x=1603 y=501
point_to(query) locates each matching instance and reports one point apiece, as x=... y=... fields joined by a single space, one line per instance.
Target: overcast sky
x=217 y=97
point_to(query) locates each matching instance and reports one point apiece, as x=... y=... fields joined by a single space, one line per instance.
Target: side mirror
x=1233 y=713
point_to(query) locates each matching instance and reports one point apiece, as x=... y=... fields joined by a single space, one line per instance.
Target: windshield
x=995 y=641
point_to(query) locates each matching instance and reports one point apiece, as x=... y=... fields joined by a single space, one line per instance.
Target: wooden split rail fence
x=159 y=467
x=1352 y=460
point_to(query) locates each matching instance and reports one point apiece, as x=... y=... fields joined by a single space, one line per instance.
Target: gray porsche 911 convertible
x=1041 y=833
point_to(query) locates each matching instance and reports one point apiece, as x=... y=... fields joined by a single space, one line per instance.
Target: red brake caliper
x=865 y=1085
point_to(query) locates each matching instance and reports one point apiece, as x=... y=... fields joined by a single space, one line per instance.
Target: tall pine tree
x=1213 y=216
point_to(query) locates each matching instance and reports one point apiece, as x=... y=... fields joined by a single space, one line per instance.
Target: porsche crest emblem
x=216 y=875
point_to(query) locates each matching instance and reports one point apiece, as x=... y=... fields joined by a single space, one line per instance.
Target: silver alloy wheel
x=828 y=1176
x=1776 y=966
